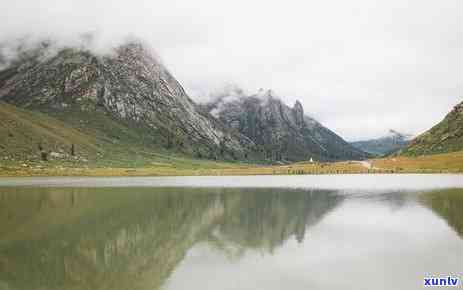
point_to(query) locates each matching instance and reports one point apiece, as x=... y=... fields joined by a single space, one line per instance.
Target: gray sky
x=360 y=66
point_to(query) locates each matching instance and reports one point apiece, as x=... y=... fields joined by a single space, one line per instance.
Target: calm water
x=198 y=233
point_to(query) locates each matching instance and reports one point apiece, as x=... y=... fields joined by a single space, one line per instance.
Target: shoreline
x=147 y=172
x=448 y=163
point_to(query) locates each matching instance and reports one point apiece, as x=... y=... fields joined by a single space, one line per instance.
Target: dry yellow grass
x=448 y=162
x=442 y=163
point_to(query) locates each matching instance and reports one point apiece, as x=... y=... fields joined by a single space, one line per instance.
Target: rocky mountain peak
x=458 y=108
x=298 y=105
x=396 y=135
x=298 y=111
x=132 y=87
x=130 y=84
x=281 y=132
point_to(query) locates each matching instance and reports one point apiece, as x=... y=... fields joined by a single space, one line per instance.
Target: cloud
x=360 y=67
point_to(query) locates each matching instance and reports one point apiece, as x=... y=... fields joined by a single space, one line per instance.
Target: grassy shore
x=107 y=148
x=442 y=163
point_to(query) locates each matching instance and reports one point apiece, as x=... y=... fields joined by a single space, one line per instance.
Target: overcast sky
x=360 y=67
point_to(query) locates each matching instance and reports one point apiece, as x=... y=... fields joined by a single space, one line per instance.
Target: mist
x=359 y=67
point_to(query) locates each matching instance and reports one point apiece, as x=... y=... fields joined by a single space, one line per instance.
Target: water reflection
x=97 y=239
x=135 y=238
x=129 y=238
x=448 y=204
x=265 y=219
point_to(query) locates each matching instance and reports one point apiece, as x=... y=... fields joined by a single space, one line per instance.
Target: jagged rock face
x=447 y=136
x=386 y=145
x=131 y=85
x=280 y=132
x=298 y=112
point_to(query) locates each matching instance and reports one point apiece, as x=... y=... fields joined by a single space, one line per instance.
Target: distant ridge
x=385 y=145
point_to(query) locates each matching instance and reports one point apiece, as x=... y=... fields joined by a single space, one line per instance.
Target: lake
x=254 y=232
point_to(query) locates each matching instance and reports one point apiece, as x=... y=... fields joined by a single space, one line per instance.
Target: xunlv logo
x=441 y=282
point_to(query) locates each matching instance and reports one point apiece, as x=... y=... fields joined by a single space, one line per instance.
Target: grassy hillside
x=98 y=141
x=23 y=134
x=447 y=136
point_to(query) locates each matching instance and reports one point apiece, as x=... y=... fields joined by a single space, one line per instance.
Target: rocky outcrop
x=130 y=85
x=280 y=132
x=298 y=113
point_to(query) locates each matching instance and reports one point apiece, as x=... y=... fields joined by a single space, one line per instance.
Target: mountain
x=447 y=136
x=279 y=131
x=126 y=94
x=389 y=143
x=126 y=102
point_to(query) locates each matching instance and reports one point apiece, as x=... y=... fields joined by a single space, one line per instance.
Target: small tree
x=44 y=155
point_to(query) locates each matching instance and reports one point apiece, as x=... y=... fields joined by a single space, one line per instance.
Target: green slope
x=22 y=132
x=447 y=136
x=99 y=141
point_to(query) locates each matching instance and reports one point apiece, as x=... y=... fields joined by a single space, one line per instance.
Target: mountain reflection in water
x=448 y=204
x=135 y=238
x=123 y=238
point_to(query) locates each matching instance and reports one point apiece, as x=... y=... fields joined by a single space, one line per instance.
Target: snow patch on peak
x=397 y=135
